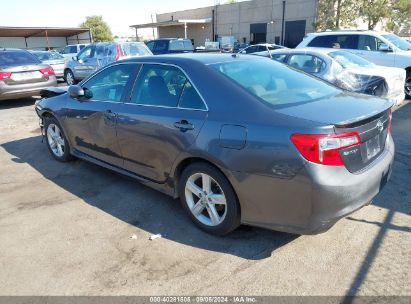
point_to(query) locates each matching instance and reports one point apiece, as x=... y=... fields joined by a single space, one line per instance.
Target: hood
x=53 y=91
x=341 y=109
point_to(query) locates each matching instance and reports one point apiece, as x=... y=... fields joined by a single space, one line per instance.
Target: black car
x=170 y=46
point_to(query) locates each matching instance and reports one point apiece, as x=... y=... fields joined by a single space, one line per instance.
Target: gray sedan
x=54 y=59
x=23 y=75
x=239 y=139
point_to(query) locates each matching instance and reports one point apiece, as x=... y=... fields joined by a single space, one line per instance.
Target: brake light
x=118 y=52
x=47 y=71
x=5 y=75
x=324 y=148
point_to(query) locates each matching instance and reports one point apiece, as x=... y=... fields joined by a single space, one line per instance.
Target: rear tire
x=56 y=140
x=407 y=87
x=209 y=199
x=69 y=77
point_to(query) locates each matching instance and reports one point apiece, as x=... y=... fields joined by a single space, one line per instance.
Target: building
x=42 y=38
x=277 y=21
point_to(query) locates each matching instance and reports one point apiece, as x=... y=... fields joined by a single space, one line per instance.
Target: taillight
x=118 y=52
x=5 y=75
x=324 y=148
x=47 y=71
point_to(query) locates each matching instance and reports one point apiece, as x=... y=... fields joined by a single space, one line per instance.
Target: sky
x=119 y=14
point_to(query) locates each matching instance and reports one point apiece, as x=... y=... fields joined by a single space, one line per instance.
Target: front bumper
x=315 y=199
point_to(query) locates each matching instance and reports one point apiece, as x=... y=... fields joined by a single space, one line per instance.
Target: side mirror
x=74 y=58
x=75 y=91
x=384 y=48
x=243 y=52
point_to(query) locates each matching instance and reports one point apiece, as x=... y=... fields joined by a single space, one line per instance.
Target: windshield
x=347 y=59
x=15 y=58
x=48 y=55
x=275 y=83
x=398 y=42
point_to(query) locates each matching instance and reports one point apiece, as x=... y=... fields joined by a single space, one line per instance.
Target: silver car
x=54 y=59
x=23 y=75
x=97 y=55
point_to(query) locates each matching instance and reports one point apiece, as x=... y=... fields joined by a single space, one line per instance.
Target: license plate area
x=26 y=75
x=373 y=147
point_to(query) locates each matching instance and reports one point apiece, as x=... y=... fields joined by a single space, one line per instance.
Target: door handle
x=183 y=125
x=110 y=115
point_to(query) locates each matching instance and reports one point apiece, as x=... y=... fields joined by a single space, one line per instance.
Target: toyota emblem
x=380 y=126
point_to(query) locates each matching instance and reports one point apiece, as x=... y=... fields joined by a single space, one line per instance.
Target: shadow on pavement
x=17 y=103
x=395 y=197
x=138 y=205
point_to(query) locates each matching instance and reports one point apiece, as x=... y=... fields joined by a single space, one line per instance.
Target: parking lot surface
x=65 y=230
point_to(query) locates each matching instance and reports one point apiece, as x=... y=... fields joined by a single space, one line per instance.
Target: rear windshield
x=15 y=58
x=275 y=83
x=347 y=59
x=134 y=49
x=48 y=55
x=181 y=45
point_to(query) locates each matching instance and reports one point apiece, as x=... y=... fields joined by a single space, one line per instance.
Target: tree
x=99 y=28
x=333 y=14
x=374 y=11
x=400 y=16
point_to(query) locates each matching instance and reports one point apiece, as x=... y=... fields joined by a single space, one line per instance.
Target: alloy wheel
x=69 y=78
x=55 y=140
x=205 y=199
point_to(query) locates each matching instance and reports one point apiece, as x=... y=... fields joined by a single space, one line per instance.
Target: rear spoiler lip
x=53 y=91
x=363 y=119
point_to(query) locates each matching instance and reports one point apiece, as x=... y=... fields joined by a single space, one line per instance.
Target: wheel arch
x=185 y=162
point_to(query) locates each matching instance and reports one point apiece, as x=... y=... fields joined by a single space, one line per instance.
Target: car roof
x=347 y=32
x=306 y=50
x=204 y=58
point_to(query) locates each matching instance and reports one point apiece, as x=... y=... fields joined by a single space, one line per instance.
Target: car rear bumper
x=25 y=90
x=315 y=199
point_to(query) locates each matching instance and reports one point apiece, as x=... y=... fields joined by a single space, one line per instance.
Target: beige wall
x=235 y=19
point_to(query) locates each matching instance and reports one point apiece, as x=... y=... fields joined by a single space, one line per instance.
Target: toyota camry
x=237 y=138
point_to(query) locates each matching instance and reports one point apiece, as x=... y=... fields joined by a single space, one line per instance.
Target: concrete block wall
x=235 y=19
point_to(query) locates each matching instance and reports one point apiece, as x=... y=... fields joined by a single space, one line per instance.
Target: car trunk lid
x=25 y=74
x=366 y=115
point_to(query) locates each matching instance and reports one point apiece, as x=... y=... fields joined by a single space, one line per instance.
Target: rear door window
x=369 y=43
x=307 y=63
x=159 y=85
x=16 y=58
x=335 y=41
x=279 y=57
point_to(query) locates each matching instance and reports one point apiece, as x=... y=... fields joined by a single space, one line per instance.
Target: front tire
x=209 y=199
x=56 y=140
x=69 y=77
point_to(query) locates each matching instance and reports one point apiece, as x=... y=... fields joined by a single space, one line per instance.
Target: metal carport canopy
x=27 y=32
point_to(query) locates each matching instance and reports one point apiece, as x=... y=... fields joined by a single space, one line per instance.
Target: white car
x=72 y=50
x=381 y=48
x=345 y=70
